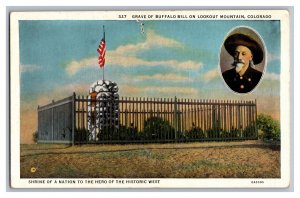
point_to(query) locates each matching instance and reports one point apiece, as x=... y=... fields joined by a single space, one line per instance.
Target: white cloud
x=211 y=74
x=61 y=92
x=172 y=90
x=157 y=91
x=132 y=61
x=272 y=57
x=29 y=68
x=272 y=76
x=153 y=40
x=74 y=66
x=126 y=55
x=168 y=77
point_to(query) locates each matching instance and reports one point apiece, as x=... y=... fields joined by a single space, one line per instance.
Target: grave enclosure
x=105 y=117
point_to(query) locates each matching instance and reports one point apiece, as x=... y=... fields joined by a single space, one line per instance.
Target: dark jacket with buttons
x=242 y=84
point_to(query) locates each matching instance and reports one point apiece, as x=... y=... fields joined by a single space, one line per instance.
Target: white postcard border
x=283 y=182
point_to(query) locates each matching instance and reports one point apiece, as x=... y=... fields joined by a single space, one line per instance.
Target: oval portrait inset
x=242 y=59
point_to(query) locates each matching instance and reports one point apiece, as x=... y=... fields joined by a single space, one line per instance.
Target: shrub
x=119 y=133
x=195 y=133
x=35 y=137
x=217 y=132
x=157 y=128
x=234 y=132
x=82 y=135
x=250 y=131
x=128 y=133
x=269 y=127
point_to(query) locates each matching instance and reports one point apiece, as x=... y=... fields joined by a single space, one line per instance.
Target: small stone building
x=103 y=110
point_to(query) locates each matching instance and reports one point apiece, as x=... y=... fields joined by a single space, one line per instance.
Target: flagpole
x=102 y=50
x=105 y=41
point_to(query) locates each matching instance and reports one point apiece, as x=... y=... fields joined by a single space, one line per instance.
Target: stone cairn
x=104 y=112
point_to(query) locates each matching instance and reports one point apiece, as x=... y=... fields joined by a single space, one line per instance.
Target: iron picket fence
x=144 y=120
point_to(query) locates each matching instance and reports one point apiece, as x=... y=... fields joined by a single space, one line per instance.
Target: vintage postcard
x=150 y=99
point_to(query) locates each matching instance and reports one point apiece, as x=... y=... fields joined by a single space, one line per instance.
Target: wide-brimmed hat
x=240 y=39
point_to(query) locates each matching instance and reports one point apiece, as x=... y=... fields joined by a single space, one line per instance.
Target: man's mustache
x=238 y=61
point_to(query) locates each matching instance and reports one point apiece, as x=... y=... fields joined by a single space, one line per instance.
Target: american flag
x=101 y=50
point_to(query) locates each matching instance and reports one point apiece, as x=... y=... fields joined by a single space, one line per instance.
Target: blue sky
x=172 y=58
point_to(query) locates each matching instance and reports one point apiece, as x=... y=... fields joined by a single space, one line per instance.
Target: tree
x=269 y=127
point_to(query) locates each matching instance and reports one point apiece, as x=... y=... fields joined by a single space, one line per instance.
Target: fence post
x=52 y=124
x=73 y=118
x=256 y=130
x=175 y=118
x=38 y=124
